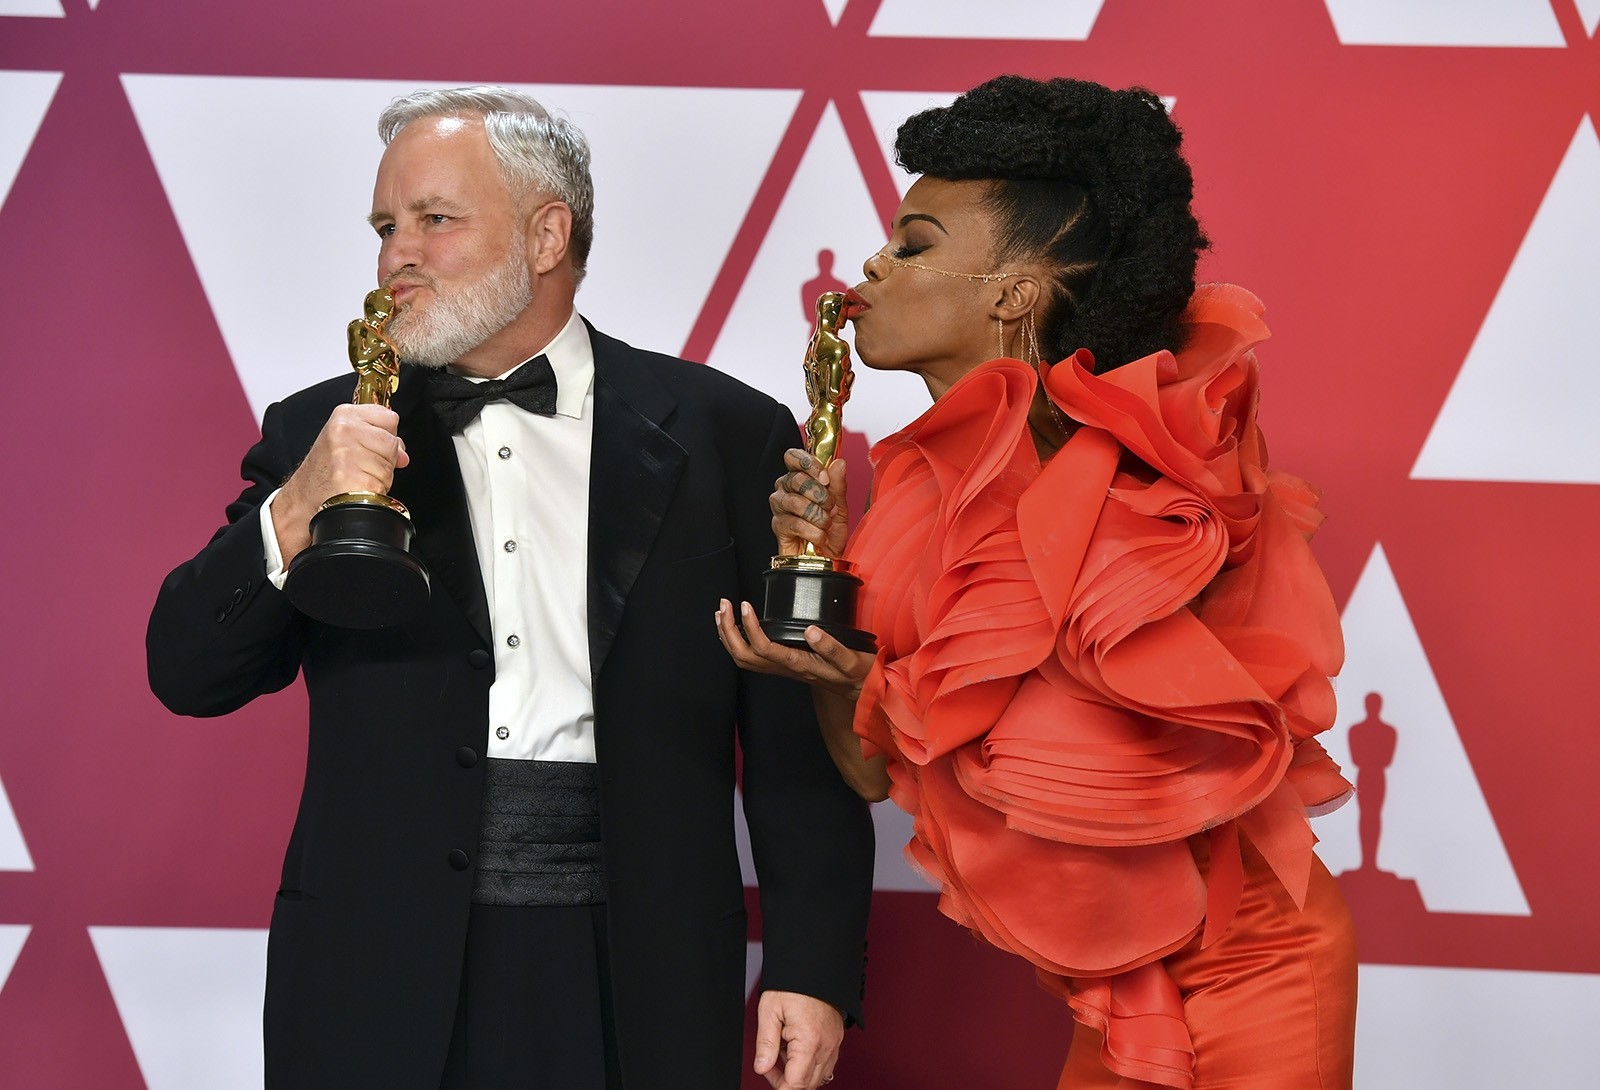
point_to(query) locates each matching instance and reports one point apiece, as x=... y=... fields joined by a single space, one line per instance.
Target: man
x=514 y=862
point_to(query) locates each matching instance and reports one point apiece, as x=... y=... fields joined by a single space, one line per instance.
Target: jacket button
x=479 y=659
x=458 y=859
x=466 y=756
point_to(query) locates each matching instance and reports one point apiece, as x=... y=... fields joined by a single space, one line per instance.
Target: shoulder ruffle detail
x=960 y=608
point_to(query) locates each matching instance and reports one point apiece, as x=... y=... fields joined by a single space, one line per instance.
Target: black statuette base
x=797 y=598
x=358 y=571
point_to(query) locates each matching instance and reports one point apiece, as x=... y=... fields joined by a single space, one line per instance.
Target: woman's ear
x=1015 y=296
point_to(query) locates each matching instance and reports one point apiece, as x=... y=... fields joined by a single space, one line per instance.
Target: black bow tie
x=458 y=401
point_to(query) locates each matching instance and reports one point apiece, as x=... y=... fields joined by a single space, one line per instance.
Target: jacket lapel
x=633 y=471
x=430 y=487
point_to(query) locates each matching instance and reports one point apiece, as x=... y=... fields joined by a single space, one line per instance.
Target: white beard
x=457 y=322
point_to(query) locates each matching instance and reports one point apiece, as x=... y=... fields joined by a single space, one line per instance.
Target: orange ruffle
x=1086 y=663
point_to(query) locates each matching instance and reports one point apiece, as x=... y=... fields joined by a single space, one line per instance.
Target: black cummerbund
x=540 y=838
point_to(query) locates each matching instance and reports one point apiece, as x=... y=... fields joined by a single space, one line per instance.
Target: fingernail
x=813 y=636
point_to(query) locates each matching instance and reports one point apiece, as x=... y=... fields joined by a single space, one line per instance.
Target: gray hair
x=538 y=152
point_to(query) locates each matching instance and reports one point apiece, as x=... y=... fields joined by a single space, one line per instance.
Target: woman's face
x=910 y=318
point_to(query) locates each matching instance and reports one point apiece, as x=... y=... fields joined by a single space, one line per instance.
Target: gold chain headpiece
x=983 y=278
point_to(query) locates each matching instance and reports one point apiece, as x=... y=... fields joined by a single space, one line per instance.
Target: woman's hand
x=808 y=505
x=835 y=674
x=828 y=664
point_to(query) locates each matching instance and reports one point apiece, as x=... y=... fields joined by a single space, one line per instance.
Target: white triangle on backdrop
x=887 y=110
x=1523 y=405
x=892 y=827
x=1065 y=20
x=1437 y=827
x=1589 y=12
x=38 y=8
x=1474 y=1029
x=764 y=340
x=1446 y=22
x=190 y=999
x=741 y=839
x=273 y=211
x=835 y=9
x=27 y=96
x=752 y=968
x=13 y=849
x=12 y=936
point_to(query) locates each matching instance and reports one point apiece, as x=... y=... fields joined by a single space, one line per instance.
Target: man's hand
x=358 y=450
x=797 y=1040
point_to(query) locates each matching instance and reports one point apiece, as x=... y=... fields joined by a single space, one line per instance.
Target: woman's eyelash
x=908 y=250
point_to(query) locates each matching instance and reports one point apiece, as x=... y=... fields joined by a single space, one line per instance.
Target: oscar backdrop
x=1412 y=186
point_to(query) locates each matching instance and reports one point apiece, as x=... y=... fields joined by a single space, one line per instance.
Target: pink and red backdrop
x=1413 y=186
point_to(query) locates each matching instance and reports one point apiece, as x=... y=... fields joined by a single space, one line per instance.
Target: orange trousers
x=1271 y=1005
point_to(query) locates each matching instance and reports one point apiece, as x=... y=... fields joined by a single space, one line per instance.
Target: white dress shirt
x=527 y=483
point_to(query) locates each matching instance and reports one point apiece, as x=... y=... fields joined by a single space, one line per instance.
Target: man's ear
x=548 y=235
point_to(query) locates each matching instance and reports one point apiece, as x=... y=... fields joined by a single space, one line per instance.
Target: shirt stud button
x=502 y=733
x=513 y=640
x=504 y=452
x=510 y=546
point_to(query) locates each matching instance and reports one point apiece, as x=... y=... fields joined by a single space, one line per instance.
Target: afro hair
x=1089 y=181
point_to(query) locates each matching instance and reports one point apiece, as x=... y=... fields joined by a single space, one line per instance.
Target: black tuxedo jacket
x=368 y=929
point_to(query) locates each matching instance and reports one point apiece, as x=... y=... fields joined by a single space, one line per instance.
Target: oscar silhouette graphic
x=824 y=281
x=1372 y=748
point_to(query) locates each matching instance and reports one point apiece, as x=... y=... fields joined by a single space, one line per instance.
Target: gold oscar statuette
x=810 y=588
x=359 y=571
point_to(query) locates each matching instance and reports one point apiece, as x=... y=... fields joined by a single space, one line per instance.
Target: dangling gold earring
x=1030 y=341
x=1030 y=346
x=1000 y=336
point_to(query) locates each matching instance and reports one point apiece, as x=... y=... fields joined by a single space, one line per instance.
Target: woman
x=1105 y=645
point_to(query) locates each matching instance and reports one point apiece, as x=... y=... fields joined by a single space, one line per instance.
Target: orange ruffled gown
x=1098 y=690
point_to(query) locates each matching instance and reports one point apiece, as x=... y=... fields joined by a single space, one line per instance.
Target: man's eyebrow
x=433 y=203
x=907 y=218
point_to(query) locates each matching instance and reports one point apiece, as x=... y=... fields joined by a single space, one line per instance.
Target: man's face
x=452 y=250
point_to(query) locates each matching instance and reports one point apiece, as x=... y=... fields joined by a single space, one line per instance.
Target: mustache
x=411 y=279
